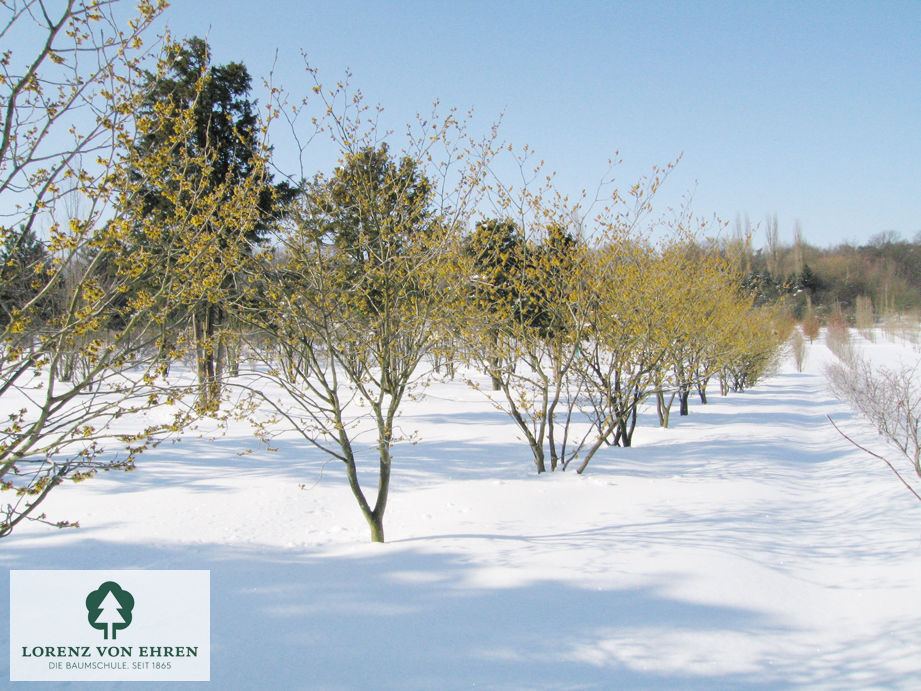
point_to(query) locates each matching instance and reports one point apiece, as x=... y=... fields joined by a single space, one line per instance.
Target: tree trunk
x=496 y=381
x=232 y=362
x=495 y=362
x=208 y=352
x=631 y=428
x=702 y=391
x=376 y=524
x=538 y=453
x=663 y=408
x=550 y=439
x=163 y=350
x=376 y=518
x=219 y=361
x=537 y=447
x=623 y=433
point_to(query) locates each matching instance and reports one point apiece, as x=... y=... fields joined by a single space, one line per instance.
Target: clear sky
x=807 y=110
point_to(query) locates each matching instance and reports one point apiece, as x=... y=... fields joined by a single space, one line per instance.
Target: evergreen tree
x=225 y=130
x=373 y=210
x=370 y=198
x=23 y=271
x=212 y=157
x=548 y=266
x=496 y=250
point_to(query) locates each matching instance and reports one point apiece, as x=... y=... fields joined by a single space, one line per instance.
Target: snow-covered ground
x=747 y=546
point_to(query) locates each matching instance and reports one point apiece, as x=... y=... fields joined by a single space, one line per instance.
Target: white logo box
x=56 y=636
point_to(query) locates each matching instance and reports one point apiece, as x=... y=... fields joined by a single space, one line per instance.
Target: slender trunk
x=553 y=457
x=702 y=390
x=684 y=394
x=622 y=438
x=219 y=360
x=163 y=350
x=592 y=450
x=208 y=355
x=198 y=335
x=376 y=523
x=494 y=363
x=664 y=408
x=631 y=427
x=376 y=518
x=551 y=417
x=233 y=358
x=738 y=382
x=589 y=454
x=536 y=443
x=538 y=453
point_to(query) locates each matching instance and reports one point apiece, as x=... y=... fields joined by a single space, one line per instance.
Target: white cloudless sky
x=807 y=110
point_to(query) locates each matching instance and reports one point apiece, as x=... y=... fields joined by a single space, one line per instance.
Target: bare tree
x=87 y=344
x=772 y=246
x=890 y=399
x=343 y=324
x=524 y=326
x=67 y=90
x=799 y=246
x=798 y=348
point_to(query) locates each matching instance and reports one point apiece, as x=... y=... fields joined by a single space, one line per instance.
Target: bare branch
x=876 y=455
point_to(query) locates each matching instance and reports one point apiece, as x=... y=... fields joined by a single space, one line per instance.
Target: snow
x=748 y=546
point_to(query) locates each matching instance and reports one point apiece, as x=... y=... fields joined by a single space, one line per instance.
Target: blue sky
x=807 y=110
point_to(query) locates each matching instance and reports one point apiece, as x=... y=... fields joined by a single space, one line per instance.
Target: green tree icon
x=109 y=608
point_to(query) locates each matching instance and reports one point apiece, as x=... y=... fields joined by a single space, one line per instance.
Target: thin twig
x=875 y=455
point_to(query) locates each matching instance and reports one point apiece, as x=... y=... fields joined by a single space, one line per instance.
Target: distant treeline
x=887 y=270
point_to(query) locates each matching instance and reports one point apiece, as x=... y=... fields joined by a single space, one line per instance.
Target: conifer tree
x=497 y=251
x=524 y=322
x=75 y=341
x=220 y=152
x=24 y=268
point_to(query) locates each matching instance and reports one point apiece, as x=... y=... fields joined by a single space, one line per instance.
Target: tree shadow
x=402 y=617
x=424 y=613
